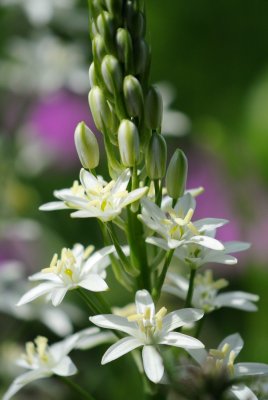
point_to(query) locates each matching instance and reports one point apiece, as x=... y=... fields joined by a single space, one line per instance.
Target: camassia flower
x=222 y=359
x=175 y=227
x=44 y=361
x=206 y=295
x=96 y=198
x=75 y=268
x=149 y=329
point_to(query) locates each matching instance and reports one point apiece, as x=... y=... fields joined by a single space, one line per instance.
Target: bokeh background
x=210 y=61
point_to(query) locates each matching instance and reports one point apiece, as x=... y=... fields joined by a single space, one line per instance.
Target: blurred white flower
x=149 y=329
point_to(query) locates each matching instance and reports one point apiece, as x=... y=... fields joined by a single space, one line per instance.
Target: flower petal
x=208 y=242
x=249 y=369
x=23 y=380
x=209 y=224
x=143 y=301
x=53 y=205
x=134 y=195
x=180 y=340
x=235 y=342
x=94 y=283
x=88 y=180
x=179 y=318
x=242 y=392
x=65 y=367
x=235 y=247
x=36 y=292
x=120 y=348
x=240 y=300
x=116 y=322
x=153 y=363
x=92 y=337
x=99 y=257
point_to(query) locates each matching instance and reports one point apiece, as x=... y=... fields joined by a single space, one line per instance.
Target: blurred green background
x=211 y=59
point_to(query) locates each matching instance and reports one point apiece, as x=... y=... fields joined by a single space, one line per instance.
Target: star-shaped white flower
x=206 y=295
x=75 y=268
x=223 y=358
x=96 y=198
x=149 y=329
x=43 y=361
x=175 y=227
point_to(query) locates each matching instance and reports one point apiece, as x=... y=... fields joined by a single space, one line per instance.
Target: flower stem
x=188 y=301
x=158 y=287
x=91 y=305
x=77 y=389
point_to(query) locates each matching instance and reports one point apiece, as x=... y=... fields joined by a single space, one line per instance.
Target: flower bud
x=124 y=48
x=141 y=57
x=99 y=108
x=129 y=143
x=114 y=6
x=106 y=27
x=177 y=174
x=98 y=48
x=133 y=96
x=156 y=157
x=112 y=74
x=153 y=109
x=86 y=146
x=93 y=80
x=135 y=23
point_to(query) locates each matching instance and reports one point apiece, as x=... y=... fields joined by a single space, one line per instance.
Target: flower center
x=224 y=358
x=178 y=224
x=37 y=351
x=148 y=322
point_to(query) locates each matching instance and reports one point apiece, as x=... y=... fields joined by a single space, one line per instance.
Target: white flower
x=75 y=268
x=206 y=295
x=223 y=359
x=149 y=329
x=175 y=227
x=43 y=361
x=96 y=198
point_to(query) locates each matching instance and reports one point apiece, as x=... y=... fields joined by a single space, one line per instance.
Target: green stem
x=156 y=189
x=188 y=300
x=174 y=201
x=76 y=389
x=157 y=289
x=159 y=196
x=91 y=305
x=157 y=260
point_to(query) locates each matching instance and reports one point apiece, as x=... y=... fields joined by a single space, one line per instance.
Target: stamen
x=30 y=351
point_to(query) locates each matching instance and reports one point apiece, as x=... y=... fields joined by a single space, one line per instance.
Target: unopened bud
x=114 y=6
x=141 y=57
x=129 y=143
x=112 y=74
x=98 y=48
x=99 y=108
x=124 y=48
x=133 y=96
x=153 y=109
x=106 y=27
x=93 y=80
x=135 y=23
x=156 y=157
x=86 y=146
x=177 y=174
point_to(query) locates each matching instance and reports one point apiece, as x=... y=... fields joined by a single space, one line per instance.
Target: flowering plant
x=146 y=216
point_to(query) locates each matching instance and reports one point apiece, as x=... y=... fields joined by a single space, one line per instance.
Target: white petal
x=153 y=363
x=120 y=348
x=47 y=276
x=133 y=196
x=116 y=322
x=235 y=342
x=184 y=204
x=158 y=242
x=65 y=367
x=240 y=300
x=179 y=318
x=99 y=257
x=208 y=224
x=88 y=180
x=53 y=205
x=143 y=301
x=94 y=283
x=36 y=292
x=235 y=247
x=220 y=257
x=242 y=392
x=180 y=340
x=56 y=320
x=208 y=242
x=245 y=369
x=122 y=182
x=58 y=295
x=199 y=355
x=174 y=291
x=23 y=380
x=90 y=338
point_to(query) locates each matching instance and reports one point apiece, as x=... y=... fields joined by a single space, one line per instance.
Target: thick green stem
x=157 y=289
x=94 y=309
x=188 y=301
x=78 y=390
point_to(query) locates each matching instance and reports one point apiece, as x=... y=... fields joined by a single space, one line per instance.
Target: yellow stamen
x=29 y=352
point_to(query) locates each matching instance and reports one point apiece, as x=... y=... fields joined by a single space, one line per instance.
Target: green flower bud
x=99 y=108
x=114 y=6
x=141 y=57
x=156 y=157
x=177 y=174
x=98 y=49
x=129 y=143
x=124 y=48
x=93 y=80
x=153 y=109
x=133 y=96
x=106 y=27
x=112 y=74
x=135 y=23
x=86 y=146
